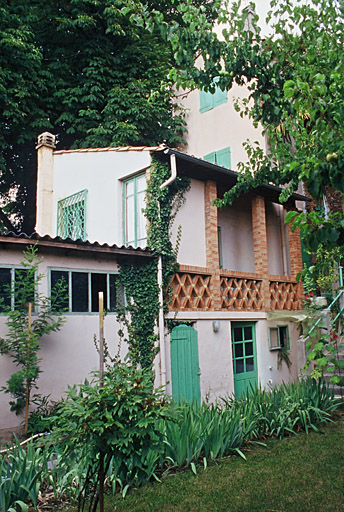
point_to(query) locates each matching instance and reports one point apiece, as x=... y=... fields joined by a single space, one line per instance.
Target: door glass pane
x=249 y=348
x=248 y=333
x=79 y=292
x=249 y=364
x=239 y=365
x=239 y=352
x=237 y=334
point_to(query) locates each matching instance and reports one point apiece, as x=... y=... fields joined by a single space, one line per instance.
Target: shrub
x=117 y=417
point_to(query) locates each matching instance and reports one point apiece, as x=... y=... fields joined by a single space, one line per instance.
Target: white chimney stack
x=45 y=177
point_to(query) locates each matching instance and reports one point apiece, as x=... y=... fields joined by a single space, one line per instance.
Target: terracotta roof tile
x=118 y=149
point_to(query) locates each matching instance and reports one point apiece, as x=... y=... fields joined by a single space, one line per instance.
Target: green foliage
x=141 y=311
x=116 y=91
x=118 y=417
x=284 y=410
x=294 y=75
x=162 y=206
x=22 y=342
x=20 y=477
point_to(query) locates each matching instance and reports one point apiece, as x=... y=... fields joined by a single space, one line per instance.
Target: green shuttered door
x=184 y=364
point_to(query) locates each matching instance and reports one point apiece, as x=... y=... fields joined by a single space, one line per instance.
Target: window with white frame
x=134 y=192
x=82 y=288
x=278 y=337
x=12 y=292
x=71 y=216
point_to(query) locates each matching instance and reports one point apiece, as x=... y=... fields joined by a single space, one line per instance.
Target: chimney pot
x=46 y=139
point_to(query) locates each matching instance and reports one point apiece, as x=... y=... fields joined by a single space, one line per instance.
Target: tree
x=25 y=331
x=91 y=72
x=295 y=82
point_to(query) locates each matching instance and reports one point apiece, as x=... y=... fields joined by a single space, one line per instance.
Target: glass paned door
x=244 y=357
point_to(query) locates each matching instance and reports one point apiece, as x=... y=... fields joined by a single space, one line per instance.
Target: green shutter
x=210 y=100
x=223 y=157
x=206 y=101
x=220 y=97
x=210 y=157
x=184 y=364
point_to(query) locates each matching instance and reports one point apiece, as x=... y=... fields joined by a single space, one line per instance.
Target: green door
x=244 y=357
x=184 y=364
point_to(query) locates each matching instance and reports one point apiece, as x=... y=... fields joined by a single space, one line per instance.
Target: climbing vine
x=140 y=314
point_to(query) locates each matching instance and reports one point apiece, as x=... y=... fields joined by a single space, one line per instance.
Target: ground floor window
x=13 y=294
x=82 y=289
x=279 y=337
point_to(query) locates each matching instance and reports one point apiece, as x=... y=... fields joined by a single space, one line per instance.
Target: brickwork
x=260 y=247
x=212 y=244
x=295 y=253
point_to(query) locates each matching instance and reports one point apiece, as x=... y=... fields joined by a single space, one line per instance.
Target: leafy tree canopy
x=295 y=82
x=92 y=72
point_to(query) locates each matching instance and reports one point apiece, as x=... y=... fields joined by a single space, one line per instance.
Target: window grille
x=71 y=216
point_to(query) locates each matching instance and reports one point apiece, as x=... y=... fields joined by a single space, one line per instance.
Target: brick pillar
x=211 y=240
x=295 y=253
x=260 y=247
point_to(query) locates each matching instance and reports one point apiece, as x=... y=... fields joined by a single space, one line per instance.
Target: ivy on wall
x=140 y=282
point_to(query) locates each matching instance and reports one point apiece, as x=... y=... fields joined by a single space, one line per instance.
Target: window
x=71 y=216
x=12 y=293
x=209 y=100
x=83 y=287
x=221 y=157
x=278 y=337
x=134 y=191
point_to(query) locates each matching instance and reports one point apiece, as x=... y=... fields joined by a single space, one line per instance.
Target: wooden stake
x=27 y=399
x=101 y=335
x=101 y=374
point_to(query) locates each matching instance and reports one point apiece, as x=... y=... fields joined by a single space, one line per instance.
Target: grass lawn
x=301 y=474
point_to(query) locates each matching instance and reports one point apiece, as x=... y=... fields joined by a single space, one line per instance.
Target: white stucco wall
x=101 y=174
x=191 y=217
x=219 y=127
x=236 y=236
x=69 y=355
x=215 y=352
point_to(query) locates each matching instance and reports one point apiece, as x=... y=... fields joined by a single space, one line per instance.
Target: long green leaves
x=20 y=473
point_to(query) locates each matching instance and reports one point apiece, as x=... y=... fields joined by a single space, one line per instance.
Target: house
x=235 y=301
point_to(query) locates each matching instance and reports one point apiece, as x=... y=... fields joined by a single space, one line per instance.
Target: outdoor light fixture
x=216 y=325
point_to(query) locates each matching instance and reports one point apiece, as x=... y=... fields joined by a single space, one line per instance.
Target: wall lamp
x=216 y=325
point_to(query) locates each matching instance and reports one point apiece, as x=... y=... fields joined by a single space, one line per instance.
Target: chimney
x=45 y=178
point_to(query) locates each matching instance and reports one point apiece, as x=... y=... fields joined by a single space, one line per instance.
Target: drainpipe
x=161 y=295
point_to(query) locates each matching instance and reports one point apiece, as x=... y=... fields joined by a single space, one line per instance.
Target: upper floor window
x=209 y=100
x=71 y=216
x=82 y=288
x=221 y=157
x=13 y=293
x=135 y=232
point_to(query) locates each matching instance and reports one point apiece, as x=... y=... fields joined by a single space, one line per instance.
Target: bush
x=118 y=418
